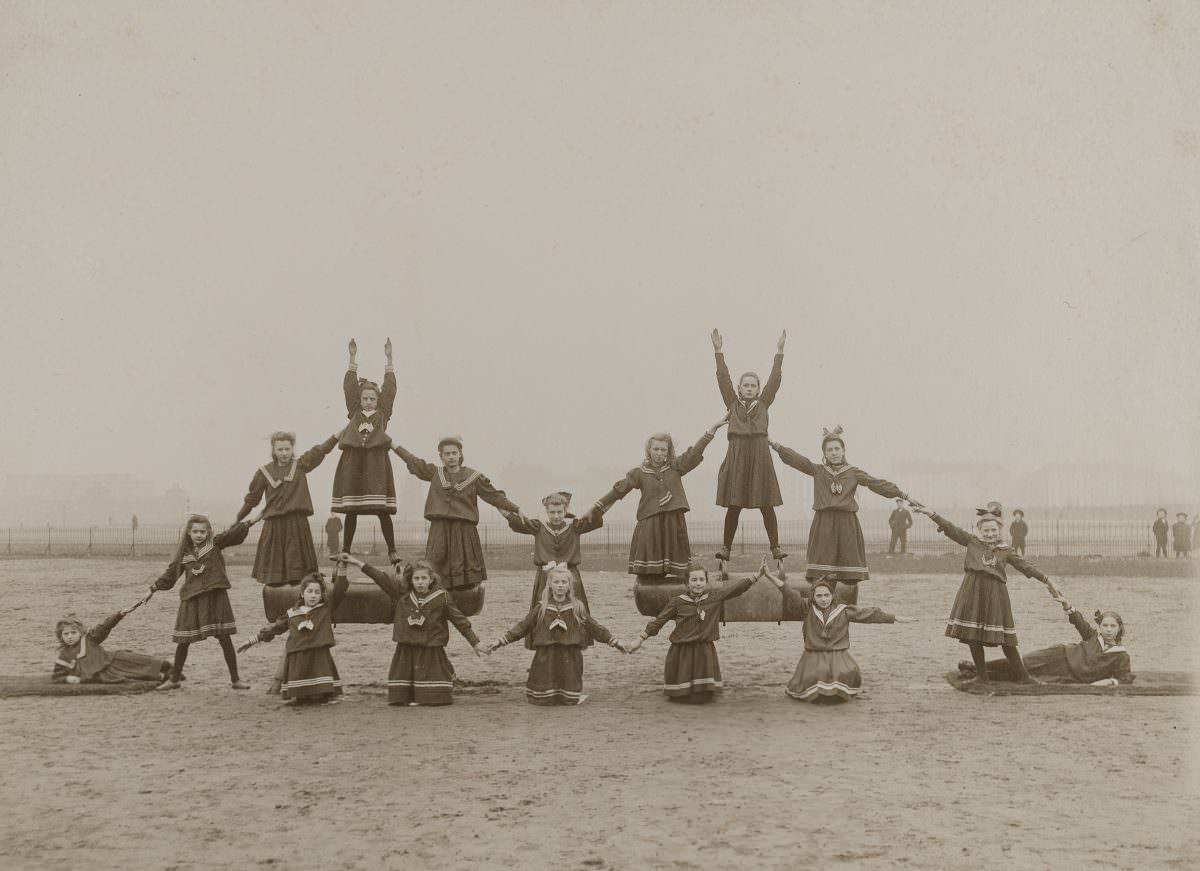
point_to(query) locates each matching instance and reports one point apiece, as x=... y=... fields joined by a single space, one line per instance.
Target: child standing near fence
x=1160 y=530
x=420 y=673
x=660 y=547
x=286 y=552
x=746 y=478
x=363 y=482
x=1018 y=532
x=1182 y=535
x=558 y=627
x=982 y=612
x=204 y=609
x=310 y=674
x=836 y=550
x=453 y=547
x=692 y=672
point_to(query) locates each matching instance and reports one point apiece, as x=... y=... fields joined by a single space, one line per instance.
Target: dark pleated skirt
x=660 y=545
x=556 y=676
x=539 y=584
x=454 y=550
x=982 y=612
x=692 y=669
x=363 y=482
x=311 y=674
x=825 y=673
x=127 y=665
x=836 y=548
x=422 y=675
x=1048 y=665
x=747 y=476
x=286 y=552
x=205 y=616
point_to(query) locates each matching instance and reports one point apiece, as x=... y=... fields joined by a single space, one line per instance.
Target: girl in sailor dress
x=420 y=673
x=692 y=672
x=310 y=674
x=559 y=627
x=452 y=509
x=1100 y=659
x=826 y=670
x=204 y=609
x=747 y=475
x=286 y=552
x=660 y=547
x=363 y=482
x=836 y=551
x=81 y=658
x=982 y=612
x=556 y=541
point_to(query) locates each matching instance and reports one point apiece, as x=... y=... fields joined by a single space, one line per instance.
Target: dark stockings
x=1015 y=671
x=227 y=648
x=385 y=526
x=770 y=521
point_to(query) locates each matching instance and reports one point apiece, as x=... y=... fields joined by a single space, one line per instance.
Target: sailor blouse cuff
x=353 y=367
x=500 y=642
x=643 y=636
x=389 y=368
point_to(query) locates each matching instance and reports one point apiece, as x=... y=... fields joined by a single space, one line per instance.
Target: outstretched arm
x=234 y=535
x=869 y=615
x=776 y=377
x=619 y=491
x=254 y=495
x=493 y=496
x=694 y=455
x=100 y=631
x=416 y=466
x=1029 y=570
x=789 y=594
x=312 y=458
x=945 y=527
x=724 y=382
x=522 y=628
x=878 y=485
x=387 y=392
x=384 y=580
x=350 y=381
x=799 y=462
x=461 y=623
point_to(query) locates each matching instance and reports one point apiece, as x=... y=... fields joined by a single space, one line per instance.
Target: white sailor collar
x=747 y=404
x=198 y=555
x=302 y=610
x=272 y=481
x=447 y=484
x=80 y=654
x=845 y=467
x=556 y=532
x=655 y=470
x=828 y=616
x=421 y=601
x=687 y=597
x=1115 y=648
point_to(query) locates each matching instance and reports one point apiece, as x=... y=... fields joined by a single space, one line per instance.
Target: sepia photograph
x=737 y=434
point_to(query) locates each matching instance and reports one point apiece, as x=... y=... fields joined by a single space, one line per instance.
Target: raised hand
x=480 y=651
x=920 y=509
x=353 y=346
x=632 y=646
x=774 y=445
x=782 y=341
x=387 y=350
x=717 y=341
x=720 y=423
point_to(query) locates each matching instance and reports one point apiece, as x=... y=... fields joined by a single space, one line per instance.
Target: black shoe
x=723 y=554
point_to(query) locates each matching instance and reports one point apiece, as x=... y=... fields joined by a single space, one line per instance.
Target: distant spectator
x=1160 y=532
x=1182 y=533
x=900 y=521
x=133 y=523
x=1195 y=528
x=333 y=526
x=1019 y=531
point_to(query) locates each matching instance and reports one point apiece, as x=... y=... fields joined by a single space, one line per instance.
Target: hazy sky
x=979 y=224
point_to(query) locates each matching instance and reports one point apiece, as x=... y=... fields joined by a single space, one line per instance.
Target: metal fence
x=1050 y=538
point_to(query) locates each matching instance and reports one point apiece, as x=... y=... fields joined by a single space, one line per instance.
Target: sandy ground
x=913 y=774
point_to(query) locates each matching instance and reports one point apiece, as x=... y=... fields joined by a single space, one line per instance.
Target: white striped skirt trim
x=425 y=684
x=824 y=568
x=210 y=629
x=986 y=627
x=311 y=682
x=698 y=682
x=355 y=501
x=657 y=564
x=830 y=686
x=578 y=698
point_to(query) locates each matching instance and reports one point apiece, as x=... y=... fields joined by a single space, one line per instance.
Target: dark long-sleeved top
x=1181 y=533
x=560 y=545
x=696 y=619
x=661 y=486
x=86 y=658
x=367 y=431
x=987 y=559
x=309 y=628
x=900 y=519
x=204 y=568
x=559 y=625
x=830 y=629
x=1019 y=530
x=286 y=487
x=833 y=489
x=1160 y=528
x=421 y=621
x=454 y=495
x=1090 y=660
x=748 y=418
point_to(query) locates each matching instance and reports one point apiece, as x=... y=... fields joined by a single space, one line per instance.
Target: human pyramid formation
x=559 y=624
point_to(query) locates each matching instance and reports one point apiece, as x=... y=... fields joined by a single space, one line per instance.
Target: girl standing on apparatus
x=836 y=551
x=747 y=475
x=363 y=482
x=204 y=609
